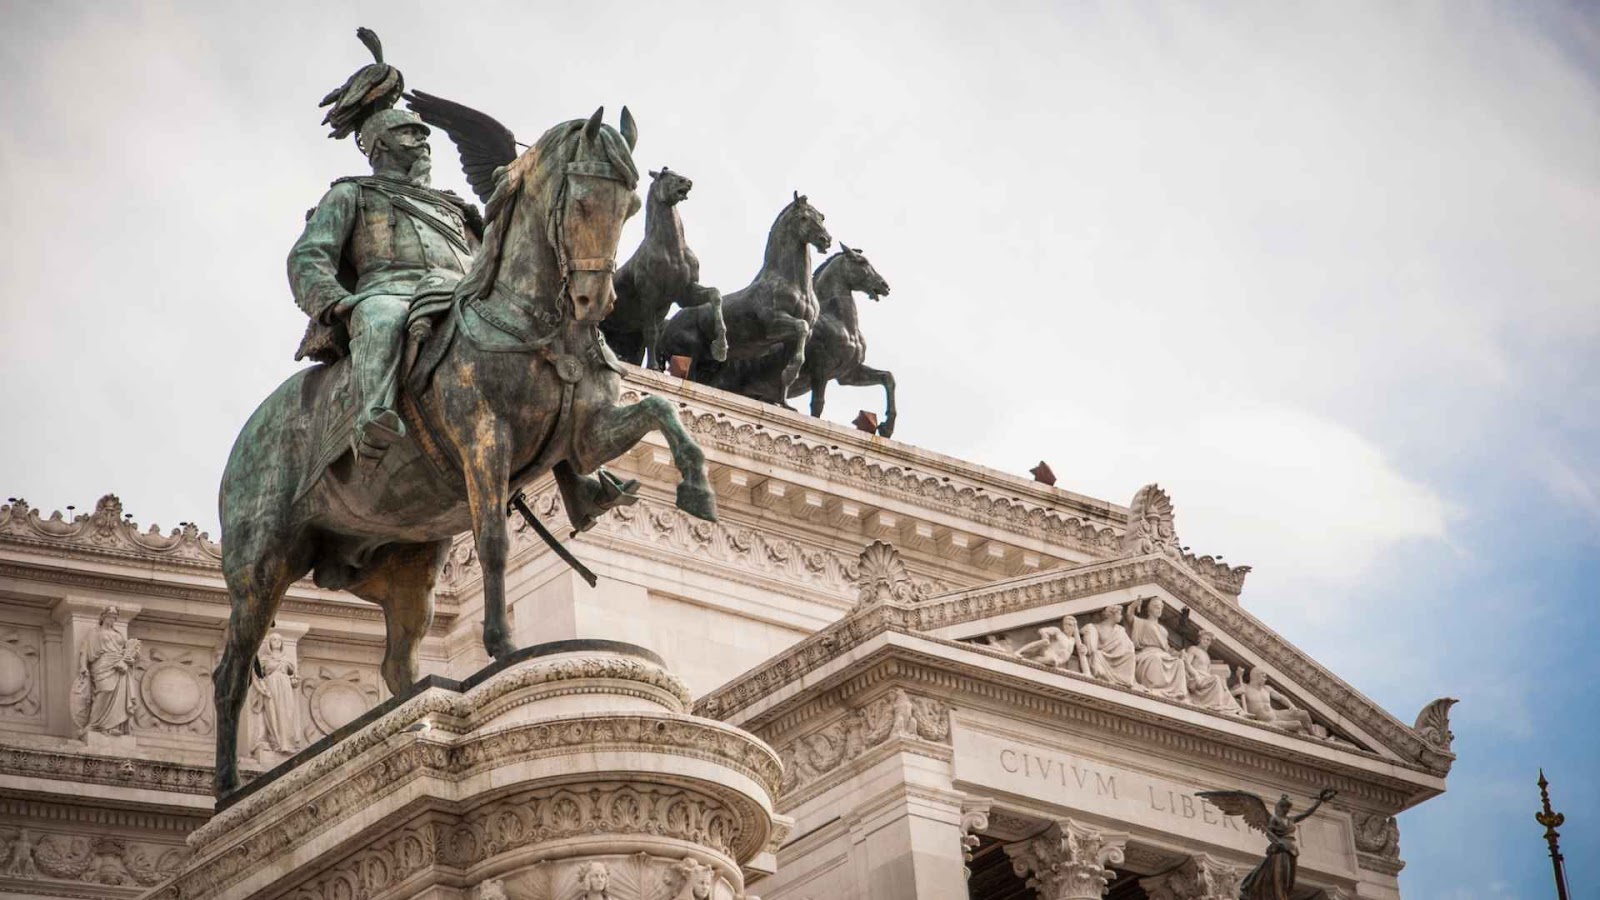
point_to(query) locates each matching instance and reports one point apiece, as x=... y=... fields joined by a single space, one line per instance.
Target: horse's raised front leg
x=711 y=298
x=611 y=432
x=488 y=473
x=865 y=375
x=792 y=335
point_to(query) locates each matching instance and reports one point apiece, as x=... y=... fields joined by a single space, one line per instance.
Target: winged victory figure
x=1272 y=878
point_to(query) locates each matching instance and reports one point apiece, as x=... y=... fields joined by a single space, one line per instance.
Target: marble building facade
x=979 y=685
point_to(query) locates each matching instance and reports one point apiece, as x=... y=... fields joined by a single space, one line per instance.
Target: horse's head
x=669 y=187
x=803 y=220
x=859 y=275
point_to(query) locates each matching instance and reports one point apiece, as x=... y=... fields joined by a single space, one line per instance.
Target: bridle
x=556 y=228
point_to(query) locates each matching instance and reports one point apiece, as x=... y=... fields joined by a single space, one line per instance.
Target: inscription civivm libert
x=1072 y=773
x=1067 y=782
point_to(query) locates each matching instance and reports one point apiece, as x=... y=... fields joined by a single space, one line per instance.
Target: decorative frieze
x=1069 y=861
x=895 y=714
x=95 y=859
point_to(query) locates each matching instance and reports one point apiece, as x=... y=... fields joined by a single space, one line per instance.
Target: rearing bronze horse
x=526 y=386
x=769 y=320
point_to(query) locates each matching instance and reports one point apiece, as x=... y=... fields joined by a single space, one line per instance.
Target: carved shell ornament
x=1150 y=523
x=1433 y=724
x=882 y=575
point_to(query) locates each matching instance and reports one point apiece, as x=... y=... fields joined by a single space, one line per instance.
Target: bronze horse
x=661 y=272
x=768 y=320
x=526 y=386
x=837 y=349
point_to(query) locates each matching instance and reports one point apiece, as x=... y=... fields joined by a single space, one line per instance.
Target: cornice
x=82 y=768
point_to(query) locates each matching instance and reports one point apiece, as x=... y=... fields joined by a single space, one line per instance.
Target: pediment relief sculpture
x=1150 y=649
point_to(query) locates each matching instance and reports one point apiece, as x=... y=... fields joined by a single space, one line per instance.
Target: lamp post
x=1551 y=820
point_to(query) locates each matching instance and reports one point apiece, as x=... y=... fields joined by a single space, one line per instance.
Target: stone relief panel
x=1150 y=649
x=20 y=649
x=896 y=714
x=538 y=817
x=335 y=694
x=172 y=690
x=638 y=876
x=97 y=859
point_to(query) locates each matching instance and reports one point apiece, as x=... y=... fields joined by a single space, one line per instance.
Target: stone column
x=1201 y=877
x=1068 y=862
x=903 y=844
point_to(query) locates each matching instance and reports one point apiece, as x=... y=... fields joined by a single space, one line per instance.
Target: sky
x=1327 y=272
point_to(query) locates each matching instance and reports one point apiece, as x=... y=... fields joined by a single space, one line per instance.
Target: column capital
x=1068 y=861
x=1200 y=877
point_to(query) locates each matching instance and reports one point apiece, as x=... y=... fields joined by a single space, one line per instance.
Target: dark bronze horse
x=525 y=387
x=836 y=350
x=661 y=272
x=769 y=320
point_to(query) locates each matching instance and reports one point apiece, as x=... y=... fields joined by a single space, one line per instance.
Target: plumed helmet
x=381 y=122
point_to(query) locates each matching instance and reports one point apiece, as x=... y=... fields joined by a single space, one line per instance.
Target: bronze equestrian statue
x=514 y=382
x=768 y=322
x=661 y=272
x=836 y=349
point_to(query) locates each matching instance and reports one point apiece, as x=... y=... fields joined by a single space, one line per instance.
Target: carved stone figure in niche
x=691 y=880
x=1110 y=651
x=1157 y=666
x=1257 y=696
x=272 y=698
x=905 y=714
x=1056 y=646
x=1207 y=688
x=1273 y=878
x=20 y=861
x=594 y=882
x=102 y=695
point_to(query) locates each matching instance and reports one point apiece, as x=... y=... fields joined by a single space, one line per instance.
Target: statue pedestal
x=571 y=769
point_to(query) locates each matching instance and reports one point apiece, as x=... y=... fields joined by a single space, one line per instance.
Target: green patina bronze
x=467 y=377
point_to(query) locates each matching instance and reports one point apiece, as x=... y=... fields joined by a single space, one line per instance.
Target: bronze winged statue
x=505 y=377
x=1273 y=878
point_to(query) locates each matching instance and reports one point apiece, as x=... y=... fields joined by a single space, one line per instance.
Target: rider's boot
x=377 y=327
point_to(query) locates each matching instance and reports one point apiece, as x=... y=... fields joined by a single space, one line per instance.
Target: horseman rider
x=367 y=247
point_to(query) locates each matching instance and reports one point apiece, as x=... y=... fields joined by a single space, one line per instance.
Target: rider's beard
x=421 y=169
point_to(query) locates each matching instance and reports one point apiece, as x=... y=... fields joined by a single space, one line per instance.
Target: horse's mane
x=541 y=166
x=817 y=272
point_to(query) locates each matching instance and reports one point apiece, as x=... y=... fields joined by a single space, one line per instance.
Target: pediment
x=1094 y=623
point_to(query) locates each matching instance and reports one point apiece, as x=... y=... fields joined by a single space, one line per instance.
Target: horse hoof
x=886 y=429
x=697 y=501
x=719 y=351
x=499 y=649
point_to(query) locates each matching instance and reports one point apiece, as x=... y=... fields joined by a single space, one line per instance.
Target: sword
x=520 y=504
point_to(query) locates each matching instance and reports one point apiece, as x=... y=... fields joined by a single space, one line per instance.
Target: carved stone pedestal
x=570 y=770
